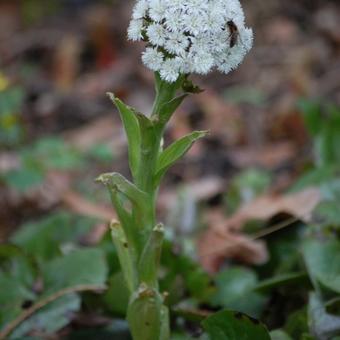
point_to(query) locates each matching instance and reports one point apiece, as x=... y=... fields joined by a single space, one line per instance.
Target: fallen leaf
x=224 y=239
x=80 y=205
x=268 y=156
x=220 y=242
x=300 y=205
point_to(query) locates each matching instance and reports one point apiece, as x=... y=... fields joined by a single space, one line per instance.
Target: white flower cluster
x=190 y=36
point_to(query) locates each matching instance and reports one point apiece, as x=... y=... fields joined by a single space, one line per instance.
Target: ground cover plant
x=251 y=258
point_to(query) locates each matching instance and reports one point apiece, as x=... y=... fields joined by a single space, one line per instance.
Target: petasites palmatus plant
x=182 y=37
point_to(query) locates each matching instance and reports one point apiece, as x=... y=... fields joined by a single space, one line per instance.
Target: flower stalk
x=138 y=237
x=182 y=37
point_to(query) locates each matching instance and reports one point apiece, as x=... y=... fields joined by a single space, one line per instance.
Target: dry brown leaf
x=269 y=156
x=200 y=189
x=79 y=205
x=300 y=205
x=223 y=239
x=219 y=242
x=100 y=130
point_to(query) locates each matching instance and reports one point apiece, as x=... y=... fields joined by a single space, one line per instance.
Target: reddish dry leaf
x=200 y=189
x=223 y=239
x=78 y=204
x=220 y=242
x=214 y=248
x=98 y=131
x=269 y=156
x=299 y=205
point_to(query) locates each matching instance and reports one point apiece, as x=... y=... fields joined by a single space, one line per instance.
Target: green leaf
x=322 y=260
x=16 y=264
x=312 y=115
x=132 y=130
x=116 y=297
x=314 y=177
x=174 y=152
x=227 y=325
x=12 y=296
x=102 y=152
x=280 y=280
x=50 y=318
x=118 y=183
x=168 y=108
x=150 y=258
x=17 y=277
x=116 y=330
x=126 y=255
x=144 y=314
x=297 y=324
x=184 y=273
x=24 y=179
x=235 y=291
x=53 y=153
x=46 y=238
x=164 y=105
x=279 y=335
x=323 y=325
x=80 y=267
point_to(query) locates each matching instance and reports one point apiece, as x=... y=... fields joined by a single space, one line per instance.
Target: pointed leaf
x=168 y=108
x=174 y=152
x=80 y=267
x=165 y=93
x=118 y=183
x=125 y=254
x=322 y=261
x=131 y=127
x=227 y=325
x=149 y=262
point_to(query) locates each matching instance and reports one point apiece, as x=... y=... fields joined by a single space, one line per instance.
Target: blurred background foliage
x=252 y=213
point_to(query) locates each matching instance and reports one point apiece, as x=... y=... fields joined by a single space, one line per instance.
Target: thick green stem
x=148 y=316
x=137 y=237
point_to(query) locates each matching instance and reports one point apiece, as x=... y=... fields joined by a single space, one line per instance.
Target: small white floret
x=191 y=36
x=152 y=59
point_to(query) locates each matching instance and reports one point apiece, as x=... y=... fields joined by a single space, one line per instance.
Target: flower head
x=190 y=36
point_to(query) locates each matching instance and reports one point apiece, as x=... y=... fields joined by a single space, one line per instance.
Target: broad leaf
x=17 y=276
x=167 y=109
x=279 y=335
x=81 y=267
x=50 y=318
x=323 y=325
x=116 y=298
x=235 y=291
x=322 y=260
x=297 y=324
x=45 y=238
x=174 y=152
x=227 y=325
x=280 y=280
x=132 y=130
x=13 y=294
